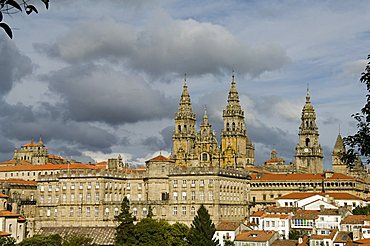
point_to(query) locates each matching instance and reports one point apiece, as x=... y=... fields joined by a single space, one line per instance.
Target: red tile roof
x=3 y=195
x=4 y=234
x=19 y=181
x=306 y=214
x=298 y=177
x=6 y=213
x=227 y=226
x=337 y=196
x=159 y=158
x=355 y=219
x=258 y=213
x=45 y=167
x=255 y=236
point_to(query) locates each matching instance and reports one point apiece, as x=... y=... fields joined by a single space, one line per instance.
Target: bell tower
x=207 y=149
x=309 y=155
x=237 y=150
x=184 y=135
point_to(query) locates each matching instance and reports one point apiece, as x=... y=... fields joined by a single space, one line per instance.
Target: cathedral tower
x=309 y=154
x=184 y=134
x=338 y=165
x=237 y=149
x=207 y=149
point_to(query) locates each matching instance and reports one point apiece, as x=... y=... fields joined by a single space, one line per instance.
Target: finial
x=339 y=129
x=233 y=76
x=308 y=93
x=185 y=77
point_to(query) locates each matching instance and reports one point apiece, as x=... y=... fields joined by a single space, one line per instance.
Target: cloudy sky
x=99 y=78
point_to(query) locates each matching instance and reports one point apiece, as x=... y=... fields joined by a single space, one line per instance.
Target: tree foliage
x=11 y=7
x=202 y=229
x=57 y=240
x=359 y=143
x=7 y=241
x=361 y=210
x=125 y=229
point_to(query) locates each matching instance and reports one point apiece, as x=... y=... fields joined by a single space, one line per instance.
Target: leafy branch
x=11 y=7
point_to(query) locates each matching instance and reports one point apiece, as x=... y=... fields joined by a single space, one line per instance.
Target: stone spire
x=237 y=149
x=184 y=133
x=339 y=145
x=309 y=154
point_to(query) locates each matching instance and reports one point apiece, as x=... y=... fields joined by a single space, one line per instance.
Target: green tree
x=150 y=232
x=202 y=229
x=39 y=240
x=7 y=241
x=228 y=243
x=179 y=232
x=126 y=228
x=361 y=210
x=359 y=144
x=11 y=7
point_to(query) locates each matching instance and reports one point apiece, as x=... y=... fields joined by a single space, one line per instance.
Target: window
x=192 y=211
x=210 y=195
x=128 y=187
x=106 y=212
x=50 y=188
x=49 y=199
x=96 y=211
x=79 y=213
x=72 y=186
x=184 y=183
x=88 y=197
x=134 y=212
x=204 y=157
x=71 y=212
x=116 y=211
x=145 y=212
x=72 y=197
x=264 y=197
x=183 y=196
x=10 y=227
x=81 y=185
x=64 y=197
x=57 y=187
x=183 y=210
x=80 y=196
x=175 y=183
x=175 y=210
x=139 y=197
x=193 y=195
x=175 y=196
x=201 y=195
x=97 y=185
x=272 y=223
x=64 y=186
x=48 y=212
x=139 y=187
x=193 y=183
x=42 y=188
x=89 y=185
x=201 y=182
x=210 y=182
x=87 y=211
x=97 y=197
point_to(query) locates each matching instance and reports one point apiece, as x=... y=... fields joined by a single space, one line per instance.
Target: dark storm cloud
x=25 y=122
x=99 y=93
x=166 y=46
x=13 y=65
x=162 y=142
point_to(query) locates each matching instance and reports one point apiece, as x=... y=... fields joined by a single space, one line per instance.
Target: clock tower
x=309 y=155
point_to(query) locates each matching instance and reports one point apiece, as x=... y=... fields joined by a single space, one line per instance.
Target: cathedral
x=201 y=149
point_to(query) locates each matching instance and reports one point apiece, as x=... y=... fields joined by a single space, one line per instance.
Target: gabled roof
x=285 y=243
x=19 y=182
x=4 y=234
x=331 y=235
x=227 y=226
x=342 y=237
x=255 y=236
x=259 y=213
x=6 y=213
x=306 y=214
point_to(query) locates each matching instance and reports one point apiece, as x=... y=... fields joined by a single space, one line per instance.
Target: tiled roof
x=159 y=158
x=21 y=219
x=355 y=219
x=306 y=214
x=45 y=167
x=328 y=211
x=258 y=213
x=3 y=195
x=298 y=177
x=99 y=235
x=255 y=236
x=31 y=145
x=337 y=196
x=6 y=213
x=19 y=182
x=4 y=234
x=227 y=226
x=278 y=216
x=257 y=170
x=285 y=243
x=281 y=210
x=55 y=157
x=363 y=241
x=342 y=237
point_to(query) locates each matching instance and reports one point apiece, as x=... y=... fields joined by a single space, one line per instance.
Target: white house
x=256 y=238
x=227 y=230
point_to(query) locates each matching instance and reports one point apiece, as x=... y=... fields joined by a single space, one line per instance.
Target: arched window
x=106 y=212
x=233 y=126
x=307 y=142
x=311 y=124
x=192 y=211
x=204 y=157
x=179 y=128
x=227 y=127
